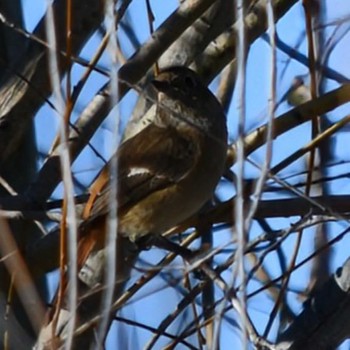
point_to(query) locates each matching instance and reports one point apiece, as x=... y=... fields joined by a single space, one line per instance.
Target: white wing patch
x=137 y=171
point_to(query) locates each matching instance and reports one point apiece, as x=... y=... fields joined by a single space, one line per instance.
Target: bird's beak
x=161 y=85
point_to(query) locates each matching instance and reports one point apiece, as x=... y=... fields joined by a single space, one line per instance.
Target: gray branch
x=324 y=322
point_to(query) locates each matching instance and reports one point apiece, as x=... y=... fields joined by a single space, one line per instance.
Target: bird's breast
x=168 y=207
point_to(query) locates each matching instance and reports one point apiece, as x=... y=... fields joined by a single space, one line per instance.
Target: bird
x=165 y=174
x=167 y=171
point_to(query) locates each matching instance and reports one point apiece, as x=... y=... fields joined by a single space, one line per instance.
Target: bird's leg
x=144 y=242
x=164 y=243
x=159 y=241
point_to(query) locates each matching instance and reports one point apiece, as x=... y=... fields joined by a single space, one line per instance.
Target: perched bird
x=165 y=174
x=168 y=170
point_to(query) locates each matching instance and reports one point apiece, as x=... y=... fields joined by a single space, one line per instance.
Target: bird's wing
x=146 y=165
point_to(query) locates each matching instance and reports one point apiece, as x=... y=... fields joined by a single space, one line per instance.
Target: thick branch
x=324 y=322
x=28 y=84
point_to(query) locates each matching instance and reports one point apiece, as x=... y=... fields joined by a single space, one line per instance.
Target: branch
x=324 y=322
x=28 y=85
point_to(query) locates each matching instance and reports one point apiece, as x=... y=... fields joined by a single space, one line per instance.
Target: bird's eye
x=190 y=82
x=184 y=84
x=176 y=83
